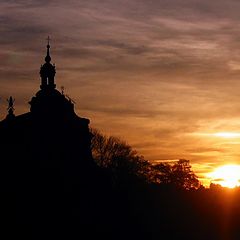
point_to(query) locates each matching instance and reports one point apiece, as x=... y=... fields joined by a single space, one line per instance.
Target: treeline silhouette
x=124 y=163
x=122 y=196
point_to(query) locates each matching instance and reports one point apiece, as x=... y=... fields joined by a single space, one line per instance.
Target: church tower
x=47 y=71
x=48 y=100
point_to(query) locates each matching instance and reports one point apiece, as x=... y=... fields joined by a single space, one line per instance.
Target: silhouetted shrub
x=178 y=174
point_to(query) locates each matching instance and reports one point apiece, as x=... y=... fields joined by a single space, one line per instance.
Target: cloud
x=152 y=72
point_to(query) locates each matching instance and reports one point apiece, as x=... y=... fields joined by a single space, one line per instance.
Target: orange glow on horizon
x=227 y=134
x=226 y=176
x=218 y=134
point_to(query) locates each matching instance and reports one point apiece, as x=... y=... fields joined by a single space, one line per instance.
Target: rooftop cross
x=48 y=40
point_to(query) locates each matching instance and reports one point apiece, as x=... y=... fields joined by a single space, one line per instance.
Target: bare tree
x=113 y=153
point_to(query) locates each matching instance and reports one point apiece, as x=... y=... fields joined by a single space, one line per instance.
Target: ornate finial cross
x=48 y=40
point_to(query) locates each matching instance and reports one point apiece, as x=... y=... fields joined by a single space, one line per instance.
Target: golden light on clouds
x=226 y=176
x=227 y=134
x=163 y=77
x=219 y=134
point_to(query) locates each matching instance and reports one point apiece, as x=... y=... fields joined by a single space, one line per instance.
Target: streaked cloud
x=152 y=72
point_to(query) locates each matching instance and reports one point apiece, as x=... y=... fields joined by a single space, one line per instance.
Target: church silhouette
x=50 y=130
x=47 y=169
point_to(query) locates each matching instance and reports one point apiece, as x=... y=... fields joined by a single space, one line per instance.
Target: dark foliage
x=178 y=174
x=118 y=157
x=123 y=162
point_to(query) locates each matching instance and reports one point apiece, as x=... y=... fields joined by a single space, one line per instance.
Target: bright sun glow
x=227 y=134
x=226 y=176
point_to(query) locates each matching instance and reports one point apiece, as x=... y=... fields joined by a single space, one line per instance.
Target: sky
x=164 y=75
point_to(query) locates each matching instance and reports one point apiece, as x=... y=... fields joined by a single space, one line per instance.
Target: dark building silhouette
x=50 y=129
x=45 y=159
x=49 y=145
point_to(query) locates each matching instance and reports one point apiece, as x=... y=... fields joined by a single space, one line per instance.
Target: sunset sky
x=164 y=75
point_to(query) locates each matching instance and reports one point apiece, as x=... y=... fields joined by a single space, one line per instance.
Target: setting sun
x=227 y=134
x=226 y=176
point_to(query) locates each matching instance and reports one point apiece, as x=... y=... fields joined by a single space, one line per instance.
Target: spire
x=48 y=57
x=47 y=71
